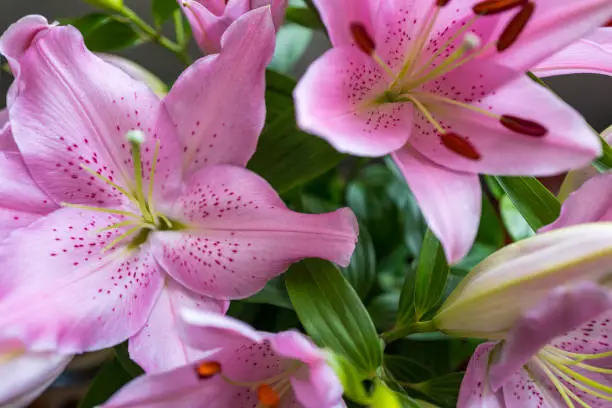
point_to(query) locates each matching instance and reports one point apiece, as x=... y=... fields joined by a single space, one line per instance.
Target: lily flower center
x=146 y=219
x=270 y=391
x=569 y=373
x=407 y=83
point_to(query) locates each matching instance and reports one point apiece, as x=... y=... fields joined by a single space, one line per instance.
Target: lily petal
x=7 y=143
x=68 y=296
x=206 y=24
x=239 y=234
x=475 y=391
x=450 y=200
x=65 y=115
x=554 y=26
x=338 y=15
x=521 y=389
x=561 y=311
x=25 y=375
x=590 y=55
x=218 y=103
x=179 y=388
x=336 y=101
x=590 y=203
x=159 y=346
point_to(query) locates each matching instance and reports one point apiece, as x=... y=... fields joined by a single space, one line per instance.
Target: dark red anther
x=515 y=27
x=523 y=126
x=460 y=145
x=442 y=3
x=608 y=24
x=491 y=7
x=362 y=38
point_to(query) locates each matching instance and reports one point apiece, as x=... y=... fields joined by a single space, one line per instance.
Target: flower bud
x=514 y=279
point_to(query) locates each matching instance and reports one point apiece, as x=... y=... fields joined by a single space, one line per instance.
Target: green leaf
x=513 y=220
x=604 y=163
x=287 y=157
x=332 y=313
x=383 y=310
x=274 y=293
x=442 y=390
x=405 y=369
x=535 y=202
x=110 y=378
x=163 y=10
x=361 y=272
x=421 y=295
x=303 y=16
x=104 y=33
x=123 y=357
x=292 y=41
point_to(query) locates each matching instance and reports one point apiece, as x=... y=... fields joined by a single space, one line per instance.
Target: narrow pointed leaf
x=109 y=379
x=332 y=313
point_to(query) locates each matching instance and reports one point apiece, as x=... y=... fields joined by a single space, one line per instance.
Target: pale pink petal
x=554 y=25
x=522 y=390
x=218 y=103
x=180 y=388
x=591 y=55
x=592 y=337
x=239 y=234
x=293 y=344
x=18 y=38
x=336 y=101
x=65 y=115
x=207 y=26
x=21 y=200
x=475 y=390
x=159 y=346
x=569 y=142
x=7 y=143
x=450 y=200
x=60 y=292
x=25 y=375
x=590 y=203
x=339 y=14
x=564 y=309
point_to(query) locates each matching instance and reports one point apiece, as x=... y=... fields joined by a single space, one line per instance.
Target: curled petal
x=475 y=390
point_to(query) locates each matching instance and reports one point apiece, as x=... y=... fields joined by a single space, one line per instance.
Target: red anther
x=208 y=369
x=460 y=145
x=515 y=27
x=608 y=24
x=523 y=126
x=362 y=38
x=490 y=7
x=442 y=3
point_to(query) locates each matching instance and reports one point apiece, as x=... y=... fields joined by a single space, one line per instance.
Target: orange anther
x=208 y=369
x=268 y=396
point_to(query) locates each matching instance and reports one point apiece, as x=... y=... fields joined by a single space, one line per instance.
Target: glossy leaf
x=123 y=357
x=441 y=390
x=515 y=224
x=361 y=272
x=163 y=10
x=383 y=310
x=274 y=293
x=332 y=313
x=422 y=291
x=109 y=379
x=104 y=33
x=352 y=379
x=604 y=163
x=287 y=157
x=292 y=41
x=305 y=17
x=535 y=202
x=404 y=369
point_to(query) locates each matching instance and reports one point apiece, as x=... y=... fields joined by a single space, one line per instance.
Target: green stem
x=180 y=30
x=403 y=331
x=156 y=36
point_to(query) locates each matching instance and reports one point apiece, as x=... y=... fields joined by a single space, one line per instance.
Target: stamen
x=491 y=7
x=582 y=378
x=208 y=369
x=267 y=396
x=460 y=145
x=136 y=138
x=422 y=37
x=562 y=389
x=515 y=27
x=115 y=226
x=100 y=209
x=583 y=357
x=442 y=99
x=120 y=238
x=152 y=178
x=108 y=181
x=362 y=39
x=523 y=126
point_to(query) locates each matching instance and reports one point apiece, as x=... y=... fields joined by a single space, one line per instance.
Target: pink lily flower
x=246 y=368
x=440 y=86
x=25 y=375
x=209 y=19
x=131 y=207
x=557 y=355
x=590 y=55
